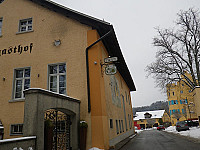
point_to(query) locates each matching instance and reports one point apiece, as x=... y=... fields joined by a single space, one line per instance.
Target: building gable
x=110 y=42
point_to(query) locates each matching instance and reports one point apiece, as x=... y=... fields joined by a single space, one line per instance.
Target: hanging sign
x=111 y=69
x=110 y=59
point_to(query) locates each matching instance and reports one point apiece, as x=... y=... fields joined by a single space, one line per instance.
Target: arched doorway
x=57 y=130
x=62 y=113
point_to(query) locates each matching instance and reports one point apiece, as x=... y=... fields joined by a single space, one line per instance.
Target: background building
x=149 y=119
x=180 y=101
x=57 y=55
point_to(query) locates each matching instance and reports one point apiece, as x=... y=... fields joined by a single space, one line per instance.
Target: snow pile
x=193 y=132
x=94 y=148
x=171 y=129
x=138 y=131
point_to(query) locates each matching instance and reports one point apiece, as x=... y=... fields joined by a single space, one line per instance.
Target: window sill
x=16 y=100
x=24 y=32
x=13 y=134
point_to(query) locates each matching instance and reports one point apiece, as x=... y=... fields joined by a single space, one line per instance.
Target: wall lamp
x=57 y=42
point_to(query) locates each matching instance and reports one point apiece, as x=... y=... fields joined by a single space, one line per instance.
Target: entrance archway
x=57 y=127
x=39 y=102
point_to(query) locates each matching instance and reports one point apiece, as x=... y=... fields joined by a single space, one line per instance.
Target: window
x=172 y=102
x=182 y=84
x=25 y=25
x=173 y=93
x=111 y=123
x=117 y=128
x=175 y=101
x=16 y=129
x=120 y=129
x=181 y=102
x=126 y=96
x=169 y=93
x=122 y=125
x=181 y=91
x=169 y=102
x=21 y=82
x=57 y=78
x=184 y=101
x=129 y=118
x=1 y=21
x=170 y=112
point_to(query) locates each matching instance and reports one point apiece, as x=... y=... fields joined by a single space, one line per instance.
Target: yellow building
x=196 y=95
x=181 y=102
x=149 y=119
x=47 y=47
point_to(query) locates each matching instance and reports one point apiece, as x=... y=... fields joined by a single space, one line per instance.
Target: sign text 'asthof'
x=16 y=50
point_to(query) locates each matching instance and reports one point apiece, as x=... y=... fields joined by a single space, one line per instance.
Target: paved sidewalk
x=119 y=145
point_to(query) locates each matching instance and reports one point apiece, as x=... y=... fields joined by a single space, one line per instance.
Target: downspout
x=87 y=67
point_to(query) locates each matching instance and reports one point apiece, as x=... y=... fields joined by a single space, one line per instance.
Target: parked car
x=182 y=126
x=160 y=127
x=192 y=123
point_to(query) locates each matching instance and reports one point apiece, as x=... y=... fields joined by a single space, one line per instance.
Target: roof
x=102 y=27
x=155 y=114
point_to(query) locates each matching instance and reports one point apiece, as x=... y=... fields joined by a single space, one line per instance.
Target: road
x=160 y=140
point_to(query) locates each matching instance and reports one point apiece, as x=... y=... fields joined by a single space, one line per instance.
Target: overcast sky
x=134 y=22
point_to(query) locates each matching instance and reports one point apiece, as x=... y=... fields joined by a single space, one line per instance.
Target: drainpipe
x=87 y=66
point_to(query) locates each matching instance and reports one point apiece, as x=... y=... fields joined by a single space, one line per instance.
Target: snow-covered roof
x=155 y=114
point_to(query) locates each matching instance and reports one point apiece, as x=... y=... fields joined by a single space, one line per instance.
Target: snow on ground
x=193 y=132
x=95 y=148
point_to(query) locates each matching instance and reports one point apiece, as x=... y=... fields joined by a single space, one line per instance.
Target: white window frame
x=1 y=24
x=23 y=78
x=12 y=127
x=26 y=26
x=57 y=76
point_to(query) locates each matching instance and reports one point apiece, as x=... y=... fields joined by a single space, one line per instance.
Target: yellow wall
x=103 y=108
x=48 y=26
x=144 y=121
x=166 y=117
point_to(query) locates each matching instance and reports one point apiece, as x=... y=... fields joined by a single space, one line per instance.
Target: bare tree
x=178 y=51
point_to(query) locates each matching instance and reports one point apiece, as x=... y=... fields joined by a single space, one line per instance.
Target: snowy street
x=162 y=140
